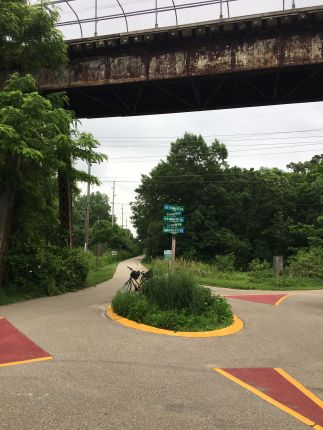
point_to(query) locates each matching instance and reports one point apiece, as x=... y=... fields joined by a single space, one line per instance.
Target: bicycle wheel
x=127 y=287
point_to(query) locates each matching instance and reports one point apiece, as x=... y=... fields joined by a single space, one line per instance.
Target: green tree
x=28 y=37
x=34 y=134
x=100 y=209
x=28 y=42
x=249 y=213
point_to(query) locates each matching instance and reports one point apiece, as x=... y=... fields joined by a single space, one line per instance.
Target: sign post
x=278 y=267
x=174 y=224
x=173 y=252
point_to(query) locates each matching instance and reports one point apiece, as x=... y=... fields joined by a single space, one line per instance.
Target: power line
x=159 y=158
x=239 y=150
x=216 y=135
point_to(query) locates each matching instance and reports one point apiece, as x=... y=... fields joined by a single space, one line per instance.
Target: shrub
x=225 y=263
x=260 y=271
x=35 y=269
x=307 y=263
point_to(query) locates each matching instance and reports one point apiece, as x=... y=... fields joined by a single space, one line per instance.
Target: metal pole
x=173 y=252
x=122 y=215
x=96 y=18
x=293 y=5
x=283 y=4
x=113 y=196
x=87 y=213
x=221 y=9
x=156 y=13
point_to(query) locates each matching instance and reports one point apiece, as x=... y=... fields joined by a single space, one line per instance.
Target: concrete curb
x=235 y=327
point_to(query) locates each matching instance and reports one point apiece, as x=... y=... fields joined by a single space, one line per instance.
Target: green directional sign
x=173 y=208
x=174 y=225
x=173 y=219
x=173 y=230
x=175 y=213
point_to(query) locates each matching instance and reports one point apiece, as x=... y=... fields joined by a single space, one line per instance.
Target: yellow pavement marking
x=33 y=360
x=283 y=298
x=318 y=427
x=267 y=398
x=300 y=387
x=234 y=328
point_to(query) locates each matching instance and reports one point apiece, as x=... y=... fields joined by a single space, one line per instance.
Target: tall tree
x=100 y=209
x=34 y=132
x=251 y=213
x=28 y=41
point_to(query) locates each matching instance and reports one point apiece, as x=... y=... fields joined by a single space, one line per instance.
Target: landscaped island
x=174 y=301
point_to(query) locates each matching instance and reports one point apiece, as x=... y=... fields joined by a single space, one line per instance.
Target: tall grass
x=208 y=274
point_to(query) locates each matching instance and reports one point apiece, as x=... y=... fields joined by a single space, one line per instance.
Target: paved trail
x=106 y=376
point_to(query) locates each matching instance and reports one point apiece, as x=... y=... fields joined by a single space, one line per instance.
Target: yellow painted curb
x=33 y=360
x=232 y=329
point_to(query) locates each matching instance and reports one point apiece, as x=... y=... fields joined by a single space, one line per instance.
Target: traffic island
x=235 y=327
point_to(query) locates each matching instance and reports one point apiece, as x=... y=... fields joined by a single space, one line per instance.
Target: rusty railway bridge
x=264 y=59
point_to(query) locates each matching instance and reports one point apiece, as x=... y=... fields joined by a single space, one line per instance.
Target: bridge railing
x=87 y=18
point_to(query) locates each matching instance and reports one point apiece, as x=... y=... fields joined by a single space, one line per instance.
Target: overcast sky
x=270 y=136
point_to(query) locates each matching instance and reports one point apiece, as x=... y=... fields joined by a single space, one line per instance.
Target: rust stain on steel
x=191 y=59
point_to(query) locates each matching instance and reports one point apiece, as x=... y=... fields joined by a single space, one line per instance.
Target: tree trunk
x=65 y=209
x=7 y=205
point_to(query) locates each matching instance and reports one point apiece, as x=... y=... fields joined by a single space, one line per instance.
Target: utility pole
x=122 y=215
x=87 y=213
x=96 y=18
x=156 y=13
x=113 y=196
x=127 y=224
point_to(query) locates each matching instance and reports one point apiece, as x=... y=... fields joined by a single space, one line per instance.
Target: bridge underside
x=233 y=90
x=256 y=60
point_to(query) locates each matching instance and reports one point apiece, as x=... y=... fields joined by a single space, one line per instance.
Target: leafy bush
x=307 y=263
x=35 y=269
x=260 y=271
x=225 y=263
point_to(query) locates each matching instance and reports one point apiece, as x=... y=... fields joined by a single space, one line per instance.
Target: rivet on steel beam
x=200 y=32
x=124 y=40
x=111 y=43
x=149 y=37
x=137 y=39
x=256 y=23
x=214 y=28
x=100 y=44
x=173 y=34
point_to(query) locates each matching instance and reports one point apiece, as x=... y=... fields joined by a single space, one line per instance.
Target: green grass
x=102 y=274
x=207 y=274
x=104 y=269
x=175 y=302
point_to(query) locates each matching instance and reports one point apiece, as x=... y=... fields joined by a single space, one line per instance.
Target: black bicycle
x=136 y=280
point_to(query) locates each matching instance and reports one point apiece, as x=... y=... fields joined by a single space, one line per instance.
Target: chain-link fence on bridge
x=86 y=18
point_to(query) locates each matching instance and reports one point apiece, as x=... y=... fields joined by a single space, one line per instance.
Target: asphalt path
x=107 y=376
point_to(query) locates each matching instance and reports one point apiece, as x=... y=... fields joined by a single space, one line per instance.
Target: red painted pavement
x=269 y=299
x=274 y=385
x=15 y=346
